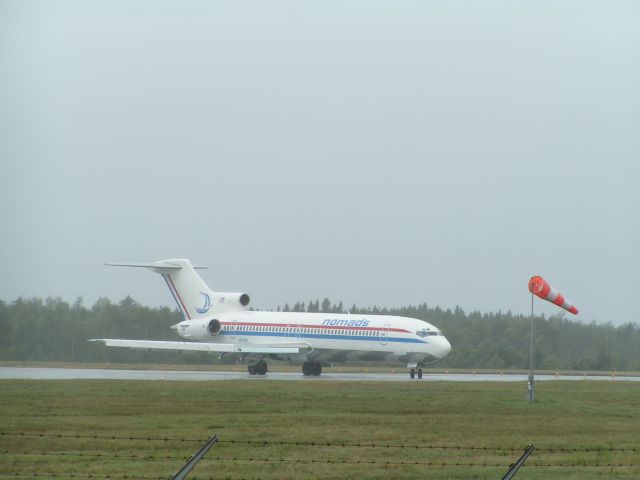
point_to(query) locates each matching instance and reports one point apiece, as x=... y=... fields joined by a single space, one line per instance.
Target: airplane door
x=384 y=334
x=234 y=327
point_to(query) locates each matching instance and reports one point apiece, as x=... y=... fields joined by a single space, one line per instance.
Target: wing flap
x=198 y=347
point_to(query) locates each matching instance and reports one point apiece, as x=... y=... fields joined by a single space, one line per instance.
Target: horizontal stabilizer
x=196 y=347
x=164 y=265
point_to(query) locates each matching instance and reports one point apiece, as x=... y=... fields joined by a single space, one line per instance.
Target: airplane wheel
x=307 y=368
x=317 y=368
x=419 y=373
x=261 y=367
x=251 y=369
x=412 y=373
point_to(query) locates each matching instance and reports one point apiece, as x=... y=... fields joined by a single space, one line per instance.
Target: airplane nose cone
x=445 y=347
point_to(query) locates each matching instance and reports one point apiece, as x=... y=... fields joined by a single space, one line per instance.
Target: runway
x=31 y=373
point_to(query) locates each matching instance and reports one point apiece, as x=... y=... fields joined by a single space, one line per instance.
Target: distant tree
x=313 y=307
x=326 y=305
x=338 y=308
x=52 y=329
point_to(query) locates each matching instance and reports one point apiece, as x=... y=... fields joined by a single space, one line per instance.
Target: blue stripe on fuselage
x=324 y=336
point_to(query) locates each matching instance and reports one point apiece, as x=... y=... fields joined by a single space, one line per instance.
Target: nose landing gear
x=412 y=373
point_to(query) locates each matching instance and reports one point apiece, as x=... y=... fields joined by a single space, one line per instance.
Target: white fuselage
x=326 y=336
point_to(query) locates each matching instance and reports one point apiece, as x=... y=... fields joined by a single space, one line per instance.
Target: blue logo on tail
x=207 y=304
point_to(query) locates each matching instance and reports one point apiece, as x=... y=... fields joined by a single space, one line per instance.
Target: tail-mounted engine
x=199 y=329
x=214 y=326
x=230 y=300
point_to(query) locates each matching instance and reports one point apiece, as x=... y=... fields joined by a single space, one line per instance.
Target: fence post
x=182 y=473
x=516 y=466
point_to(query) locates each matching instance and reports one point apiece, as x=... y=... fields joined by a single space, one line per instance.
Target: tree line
x=35 y=329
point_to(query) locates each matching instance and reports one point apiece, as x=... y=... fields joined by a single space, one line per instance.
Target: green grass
x=579 y=415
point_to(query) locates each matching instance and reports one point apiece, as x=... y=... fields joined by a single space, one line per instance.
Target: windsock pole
x=531 y=394
x=541 y=288
x=531 y=343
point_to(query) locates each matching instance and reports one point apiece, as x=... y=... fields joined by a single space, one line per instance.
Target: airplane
x=222 y=322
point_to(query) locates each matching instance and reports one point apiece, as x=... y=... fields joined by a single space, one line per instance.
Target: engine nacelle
x=214 y=326
x=199 y=329
x=232 y=299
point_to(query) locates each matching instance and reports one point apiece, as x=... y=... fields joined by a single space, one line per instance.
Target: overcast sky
x=378 y=152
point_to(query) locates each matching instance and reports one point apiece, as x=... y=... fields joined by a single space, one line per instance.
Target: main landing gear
x=311 y=368
x=412 y=374
x=258 y=368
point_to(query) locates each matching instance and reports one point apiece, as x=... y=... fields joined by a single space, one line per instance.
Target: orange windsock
x=543 y=289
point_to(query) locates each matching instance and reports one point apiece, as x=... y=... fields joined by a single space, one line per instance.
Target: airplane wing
x=202 y=347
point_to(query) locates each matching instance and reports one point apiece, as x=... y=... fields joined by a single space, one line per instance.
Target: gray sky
x=377 y=152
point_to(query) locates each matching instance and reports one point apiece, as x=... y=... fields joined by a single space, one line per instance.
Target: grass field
x=568 y=415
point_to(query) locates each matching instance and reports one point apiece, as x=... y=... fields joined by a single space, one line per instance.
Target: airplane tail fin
x=191 y=294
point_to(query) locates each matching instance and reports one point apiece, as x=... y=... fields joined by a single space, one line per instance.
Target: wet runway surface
x=25 y=373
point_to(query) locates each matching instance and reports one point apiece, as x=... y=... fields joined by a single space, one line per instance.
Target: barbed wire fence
x=320 y=444
x=546 y=458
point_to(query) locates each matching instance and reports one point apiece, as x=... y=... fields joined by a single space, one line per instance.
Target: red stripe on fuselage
x=326 y=327
x=186 y=312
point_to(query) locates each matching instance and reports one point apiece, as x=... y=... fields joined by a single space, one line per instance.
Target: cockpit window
x=427 y=333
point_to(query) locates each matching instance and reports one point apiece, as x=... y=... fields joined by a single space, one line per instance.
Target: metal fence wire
x=329 y=455
x=267 y=443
